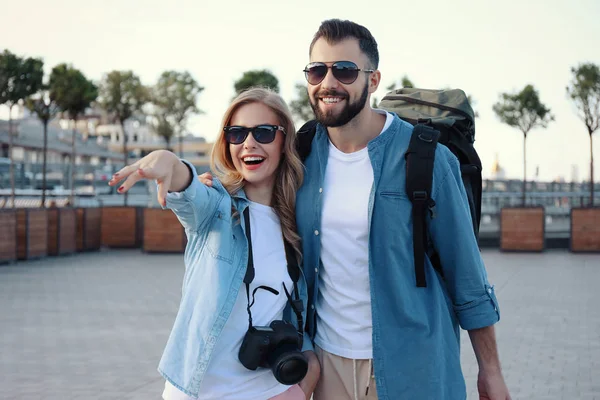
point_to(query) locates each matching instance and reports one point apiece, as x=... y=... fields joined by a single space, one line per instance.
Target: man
x=376 y=334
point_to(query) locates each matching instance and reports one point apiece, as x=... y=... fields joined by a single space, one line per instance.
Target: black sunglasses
x=344 y=71
x=262 y=133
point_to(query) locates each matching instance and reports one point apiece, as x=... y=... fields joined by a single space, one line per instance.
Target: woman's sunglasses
x=344 y=71
x=262 y=133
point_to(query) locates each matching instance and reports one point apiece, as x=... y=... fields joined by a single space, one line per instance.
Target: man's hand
x=206 y=178
x=490 y=382
x=309 y=382
x=491 y=386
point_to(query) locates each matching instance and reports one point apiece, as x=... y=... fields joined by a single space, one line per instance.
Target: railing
x=563 y=199
x=557 y=207
x=92 y=190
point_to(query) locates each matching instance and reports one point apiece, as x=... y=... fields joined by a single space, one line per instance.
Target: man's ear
x=374 y=80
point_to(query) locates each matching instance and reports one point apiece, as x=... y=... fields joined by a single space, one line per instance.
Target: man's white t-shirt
x=344 y=323
x=226 y=378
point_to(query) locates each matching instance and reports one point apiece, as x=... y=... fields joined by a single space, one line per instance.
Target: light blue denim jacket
x=416 y=339
x=216 y=258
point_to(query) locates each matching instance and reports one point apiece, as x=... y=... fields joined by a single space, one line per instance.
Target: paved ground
x=93 y=326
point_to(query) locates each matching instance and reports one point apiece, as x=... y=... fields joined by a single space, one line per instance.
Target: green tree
x=73 y=94
x=122 y=95
x=584 y=90
x=404 y=82
x=45 y=108
x=407 y=82
x=525 y=111
x=300 y=106
x=9 y=71
x=163 y=128
x=263 y=78
x=176 y=94
x=19 y=79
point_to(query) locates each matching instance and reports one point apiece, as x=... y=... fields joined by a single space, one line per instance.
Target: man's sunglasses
x=344 y=71
x=262 y=133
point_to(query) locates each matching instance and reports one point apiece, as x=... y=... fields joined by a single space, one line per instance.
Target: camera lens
x=290 y=367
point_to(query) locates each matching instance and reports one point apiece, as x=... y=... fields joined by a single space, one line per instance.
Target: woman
x=224 y=343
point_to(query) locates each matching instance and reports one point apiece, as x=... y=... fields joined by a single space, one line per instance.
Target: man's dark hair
x=336 y=30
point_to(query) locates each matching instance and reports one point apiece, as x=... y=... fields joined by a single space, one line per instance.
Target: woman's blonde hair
x=289 y=173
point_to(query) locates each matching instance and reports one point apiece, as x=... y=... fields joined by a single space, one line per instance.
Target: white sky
x=480 y=46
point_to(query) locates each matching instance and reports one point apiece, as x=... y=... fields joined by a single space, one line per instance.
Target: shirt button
x=320 y=190
x=316 y=232
x=312 y=306
x=490 y=291
x=317 y=270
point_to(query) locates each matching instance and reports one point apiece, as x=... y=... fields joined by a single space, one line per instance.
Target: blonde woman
x=238 y=333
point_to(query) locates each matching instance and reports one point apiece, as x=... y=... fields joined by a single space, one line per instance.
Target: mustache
x=330 y=92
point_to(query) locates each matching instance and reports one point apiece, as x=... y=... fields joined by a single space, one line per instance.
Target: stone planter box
x=121 y=227
x=8 y=236
x=62 y=231
x=585 y=229
x=88 y=229
x=32 y=233
x=522 y=229
x=163 y=232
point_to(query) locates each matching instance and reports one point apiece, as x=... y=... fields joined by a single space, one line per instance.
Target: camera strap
x=293 y=271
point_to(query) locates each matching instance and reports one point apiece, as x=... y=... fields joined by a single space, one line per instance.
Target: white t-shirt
x=226 y=378
x=344 y=323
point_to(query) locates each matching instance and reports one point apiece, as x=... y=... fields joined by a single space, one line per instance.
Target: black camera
x=277 y=346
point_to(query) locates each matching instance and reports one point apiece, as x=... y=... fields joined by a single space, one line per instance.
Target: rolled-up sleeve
x=195 y=205
x=474 y=299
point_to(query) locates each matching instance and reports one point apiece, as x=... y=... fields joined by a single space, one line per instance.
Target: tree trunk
x=44 y=163
x=168 y=140
x=591 y=172
x=125 y=158
x=10 y=157
x=524 y=168
x=180 y=144
x=72 y=197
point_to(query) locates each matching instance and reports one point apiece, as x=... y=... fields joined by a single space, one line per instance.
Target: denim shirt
x=416 y=335
x=215 y=258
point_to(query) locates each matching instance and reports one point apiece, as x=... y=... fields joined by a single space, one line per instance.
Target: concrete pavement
x=93 y=326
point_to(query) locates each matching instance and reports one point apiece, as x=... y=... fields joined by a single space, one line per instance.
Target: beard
x=351 y=110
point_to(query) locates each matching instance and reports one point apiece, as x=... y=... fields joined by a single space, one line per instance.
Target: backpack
x=438 y=116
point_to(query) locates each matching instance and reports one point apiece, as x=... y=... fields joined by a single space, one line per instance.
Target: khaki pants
x=293 y=393
x=344 y=378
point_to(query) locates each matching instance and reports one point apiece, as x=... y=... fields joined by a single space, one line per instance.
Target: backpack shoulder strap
x=304 y=138
x=420 y=157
